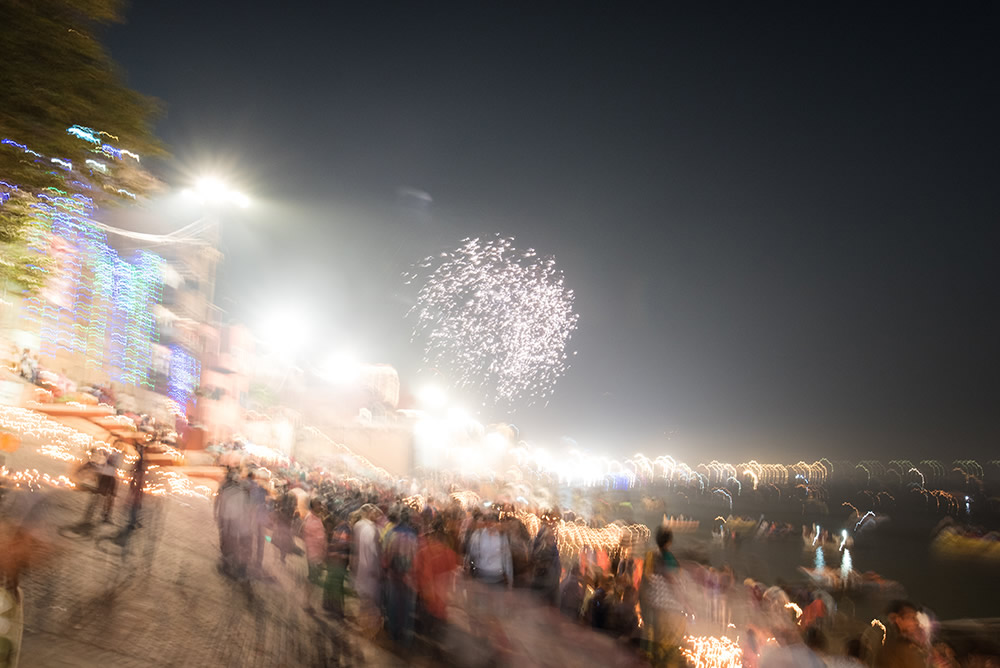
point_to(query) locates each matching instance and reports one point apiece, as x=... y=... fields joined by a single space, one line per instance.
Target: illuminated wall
x=95 y=303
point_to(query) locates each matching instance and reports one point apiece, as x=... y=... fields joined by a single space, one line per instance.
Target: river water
x=950 y=588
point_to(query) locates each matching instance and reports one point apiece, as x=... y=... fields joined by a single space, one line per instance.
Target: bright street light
x=284 y=330
x=210 y=189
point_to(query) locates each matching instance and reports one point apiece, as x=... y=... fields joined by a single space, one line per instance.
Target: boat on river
x=952 y=541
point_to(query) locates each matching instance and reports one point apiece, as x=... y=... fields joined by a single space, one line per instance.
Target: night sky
x=779 y=220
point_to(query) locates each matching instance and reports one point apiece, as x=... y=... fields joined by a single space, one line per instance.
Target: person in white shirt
x=366 y=570
x=488 y=561
x=488 y=557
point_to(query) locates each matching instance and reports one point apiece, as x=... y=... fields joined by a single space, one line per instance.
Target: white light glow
x=342 y=368
x=433 y=397
x=284 y=330
x=214 y=190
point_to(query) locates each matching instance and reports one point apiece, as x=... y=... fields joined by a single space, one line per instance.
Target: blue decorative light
x=5 y=196
x=185 y=374
x=23 y=147
x=108 y=149
x=83 y=133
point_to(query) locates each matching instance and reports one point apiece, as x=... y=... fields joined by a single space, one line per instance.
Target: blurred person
x=366 y=570
x=661 y=604
x=470 y=523
x=624 y=617
x=489 y=563
x=21 y=538
x=314 y=537
x=401 y=599
x=298 y=491
x=388 y=523
x=29 y=367
x=258 y=518
x=521 y=546
x=572 y=593
x=815 y=613
x=137 y=483
x=284 y=515
x=816 y=640
x=905 y=645
x=385 y=523
x=436 y=564
x=232 y=512
x=488 y=557
x=601 y=603
x=26 y=544
x=107 y=484
x=337 y=560
x=629 y=565
x=546 y=566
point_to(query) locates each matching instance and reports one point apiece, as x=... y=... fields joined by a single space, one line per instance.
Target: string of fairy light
x=185 y=372
x=94 y=302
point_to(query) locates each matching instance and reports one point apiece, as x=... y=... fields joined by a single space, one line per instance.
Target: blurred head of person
x=550 y=516
x=903 y=616
x=664 y=538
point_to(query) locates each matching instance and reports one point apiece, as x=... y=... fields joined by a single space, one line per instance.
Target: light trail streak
x=863 y=518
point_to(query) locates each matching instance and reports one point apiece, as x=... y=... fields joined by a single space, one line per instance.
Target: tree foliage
x=18 y=263
x=55 y=74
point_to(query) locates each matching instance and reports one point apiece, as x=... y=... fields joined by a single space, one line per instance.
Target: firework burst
x=495 y=319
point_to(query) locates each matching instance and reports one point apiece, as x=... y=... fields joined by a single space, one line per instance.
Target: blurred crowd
x=53 y=385
x=406 y=569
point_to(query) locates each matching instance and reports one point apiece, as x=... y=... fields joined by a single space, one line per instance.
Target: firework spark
x=495 y=319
